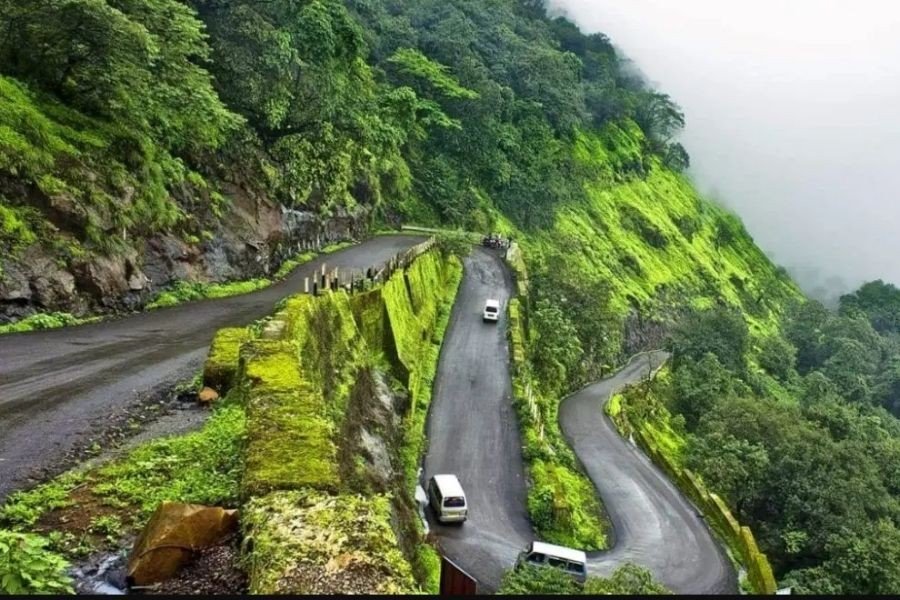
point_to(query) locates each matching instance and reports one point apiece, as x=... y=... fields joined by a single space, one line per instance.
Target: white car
x=492 y=310
x=447 y=498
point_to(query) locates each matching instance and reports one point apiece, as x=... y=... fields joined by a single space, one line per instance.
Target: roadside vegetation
x=84 y=511
x=184 y=291
x=238 y=460
x=45 y=321
x=179 y=293
x=627 y=580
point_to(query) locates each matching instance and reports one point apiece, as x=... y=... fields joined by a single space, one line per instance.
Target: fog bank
x=793 y=112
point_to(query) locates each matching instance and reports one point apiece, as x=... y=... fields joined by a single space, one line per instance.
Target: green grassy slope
x=658 y=243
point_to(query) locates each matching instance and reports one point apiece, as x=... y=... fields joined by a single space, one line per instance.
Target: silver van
x=572 y=562
x=447 y=499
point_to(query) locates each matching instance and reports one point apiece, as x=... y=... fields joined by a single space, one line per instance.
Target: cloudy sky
x=793 y=111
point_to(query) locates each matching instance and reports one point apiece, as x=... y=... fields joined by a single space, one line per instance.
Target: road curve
x=653 y=524
x=473 y=433
x=57 y=385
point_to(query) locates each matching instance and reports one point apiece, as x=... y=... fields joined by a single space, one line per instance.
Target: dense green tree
x=804 y=329
x=599 y=332
x=735 y=468
x=721 y=331
x=850 y=367
x=879 y=302
x=778 y=357
x=135 y=62
x=556 y=350
x=697 y=385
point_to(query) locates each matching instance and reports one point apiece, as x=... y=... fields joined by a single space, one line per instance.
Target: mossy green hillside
x=656 y=242
x=418 y=303
x=111 y=179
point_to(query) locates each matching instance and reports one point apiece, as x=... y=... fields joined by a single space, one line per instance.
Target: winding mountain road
x=473 y=433
x=56 y=386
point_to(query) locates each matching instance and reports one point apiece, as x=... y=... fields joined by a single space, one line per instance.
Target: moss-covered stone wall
x=297 y=380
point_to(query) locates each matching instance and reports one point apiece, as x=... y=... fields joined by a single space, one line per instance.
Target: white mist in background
x=793 y=119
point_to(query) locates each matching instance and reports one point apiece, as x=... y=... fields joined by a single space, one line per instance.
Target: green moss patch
x=45 y=321
x=306 y=542
x=290 y=441
x=222 y=362
x=184 y=291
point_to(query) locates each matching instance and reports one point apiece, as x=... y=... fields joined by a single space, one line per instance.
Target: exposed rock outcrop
x=251 y=239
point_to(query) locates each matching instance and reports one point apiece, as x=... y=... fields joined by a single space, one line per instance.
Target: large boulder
x=175 y=532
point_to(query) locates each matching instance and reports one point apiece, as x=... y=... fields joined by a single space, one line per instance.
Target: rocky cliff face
x=250 y=240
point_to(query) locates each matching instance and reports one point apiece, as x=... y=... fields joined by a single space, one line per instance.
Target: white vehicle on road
x=448 y=499
x=540 y=554
x=492 y=310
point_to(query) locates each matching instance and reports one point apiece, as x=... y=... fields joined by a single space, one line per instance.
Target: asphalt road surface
x=56 y=386
x=654 y=525
x=473 y=434
x=472 y=428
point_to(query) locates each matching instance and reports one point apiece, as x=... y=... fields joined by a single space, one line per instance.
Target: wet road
x=473 y=433
x=56 y=386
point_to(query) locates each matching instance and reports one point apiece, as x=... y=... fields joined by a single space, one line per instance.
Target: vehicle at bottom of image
x=447 y=499
x=491 y=310
x=540 y=554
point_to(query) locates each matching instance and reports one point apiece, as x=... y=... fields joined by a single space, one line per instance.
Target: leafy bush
x=529 y=580
x=453 y=243
x=45 y=321
x=628 y=579
x=189 y=292
x=27 y=567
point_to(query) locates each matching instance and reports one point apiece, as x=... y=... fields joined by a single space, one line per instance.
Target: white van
x=447 y=499
x=539 y=554
x=491 y=310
